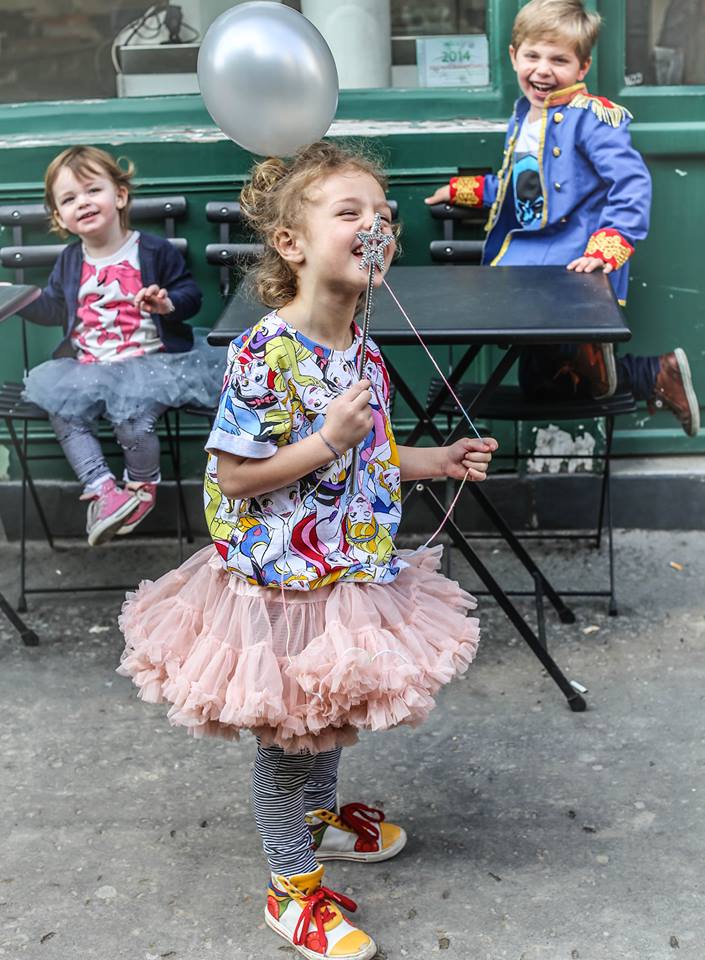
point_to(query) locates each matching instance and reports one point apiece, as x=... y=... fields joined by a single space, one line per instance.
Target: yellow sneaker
x=359 y=832
x=307 y=915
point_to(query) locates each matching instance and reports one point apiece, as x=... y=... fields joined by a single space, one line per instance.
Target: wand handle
x=355 y=466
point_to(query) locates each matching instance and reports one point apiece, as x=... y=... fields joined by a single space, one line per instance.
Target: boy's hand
x=442 y=195
x=154 y=299
x=349 y=418
x=589 y=264
x=468 y=456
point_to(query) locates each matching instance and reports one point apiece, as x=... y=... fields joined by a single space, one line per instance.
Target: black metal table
x=511 y=307
x=14 y=297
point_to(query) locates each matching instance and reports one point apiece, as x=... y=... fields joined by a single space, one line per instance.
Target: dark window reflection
x=51 y=51
x=431 y=17
x=62 y=49
x=665 y=42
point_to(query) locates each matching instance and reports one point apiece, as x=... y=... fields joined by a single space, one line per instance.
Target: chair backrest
x=22 y=216
x=450 y=250
x=227 y=255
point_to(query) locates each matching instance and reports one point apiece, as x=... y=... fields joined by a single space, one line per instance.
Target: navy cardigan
x=160 y=263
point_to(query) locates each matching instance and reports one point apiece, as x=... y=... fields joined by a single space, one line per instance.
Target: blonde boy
x=572 y=190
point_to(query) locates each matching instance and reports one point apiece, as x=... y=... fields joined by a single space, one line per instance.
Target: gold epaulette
x=604 y=109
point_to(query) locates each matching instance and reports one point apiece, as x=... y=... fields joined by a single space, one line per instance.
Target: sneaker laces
x=316 y=908
x=358 y=817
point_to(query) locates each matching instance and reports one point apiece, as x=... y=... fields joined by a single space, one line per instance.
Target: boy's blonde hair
x=85 y=162
x=564 y=21
x=275 y=198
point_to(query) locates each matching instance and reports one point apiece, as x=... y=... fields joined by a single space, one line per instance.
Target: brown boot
x=595 y=365
x=674 y=391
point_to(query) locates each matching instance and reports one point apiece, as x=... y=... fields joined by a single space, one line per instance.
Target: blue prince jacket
x=595 y=185
x=160 y=263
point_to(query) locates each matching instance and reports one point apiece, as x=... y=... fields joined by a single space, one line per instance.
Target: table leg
x=519 y=551
x=571 y=690
x=24 y=464
x=29 y=637
x=454 y=377
x=425 y=422
x=426 y=425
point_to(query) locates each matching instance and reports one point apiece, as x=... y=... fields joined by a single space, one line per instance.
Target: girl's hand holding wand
x=348 y=421
x=154 y=299
x=349 y=418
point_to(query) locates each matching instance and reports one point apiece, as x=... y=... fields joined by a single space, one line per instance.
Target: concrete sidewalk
x=535 y=833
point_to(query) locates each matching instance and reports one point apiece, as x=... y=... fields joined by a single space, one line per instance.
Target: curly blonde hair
x=558 y=20
x=275 y=198
x=85 y=162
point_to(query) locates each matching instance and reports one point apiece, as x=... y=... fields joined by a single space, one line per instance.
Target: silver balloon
x=268 y=78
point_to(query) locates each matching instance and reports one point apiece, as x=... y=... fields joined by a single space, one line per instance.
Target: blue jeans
x=137 y=437
x=540 y=379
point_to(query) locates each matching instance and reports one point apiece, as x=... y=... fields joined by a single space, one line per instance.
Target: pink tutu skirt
x=307 y=673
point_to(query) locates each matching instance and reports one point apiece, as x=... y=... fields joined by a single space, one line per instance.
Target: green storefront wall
x=177 y=149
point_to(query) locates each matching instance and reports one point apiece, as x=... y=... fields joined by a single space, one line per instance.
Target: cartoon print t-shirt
x=278 y=385
x=528 y=195
x=108 y=325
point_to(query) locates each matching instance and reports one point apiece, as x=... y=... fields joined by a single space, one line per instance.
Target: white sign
x=453 y=61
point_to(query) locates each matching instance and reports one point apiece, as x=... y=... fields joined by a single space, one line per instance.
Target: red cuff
x=467 y=191
x=609 y=246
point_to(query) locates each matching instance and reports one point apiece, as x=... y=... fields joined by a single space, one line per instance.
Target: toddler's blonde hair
x=275 y=198
x=565 y=21
x=85 y=162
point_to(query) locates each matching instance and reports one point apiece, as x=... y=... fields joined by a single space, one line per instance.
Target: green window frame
x=685 y=106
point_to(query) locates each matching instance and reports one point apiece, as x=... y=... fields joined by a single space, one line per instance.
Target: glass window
x=86 y=49
x=60 y=50
x=416 y=19
x=665 y=42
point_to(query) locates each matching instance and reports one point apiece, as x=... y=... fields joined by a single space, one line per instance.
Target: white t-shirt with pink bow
x=109 y=327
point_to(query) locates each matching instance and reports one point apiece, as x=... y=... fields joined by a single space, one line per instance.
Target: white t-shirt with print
x=108 y=325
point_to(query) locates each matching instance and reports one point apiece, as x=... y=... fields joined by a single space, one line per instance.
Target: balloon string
x=449 y=387
x=458 y=402
x=450 y=510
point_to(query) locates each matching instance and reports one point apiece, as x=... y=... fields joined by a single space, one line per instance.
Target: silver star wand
x=374 y=243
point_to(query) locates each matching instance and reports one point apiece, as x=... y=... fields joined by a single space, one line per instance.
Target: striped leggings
x=284 y=787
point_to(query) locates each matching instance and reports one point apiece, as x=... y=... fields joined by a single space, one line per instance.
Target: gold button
x=556 y=151
x=558 y=117
x=557 y=186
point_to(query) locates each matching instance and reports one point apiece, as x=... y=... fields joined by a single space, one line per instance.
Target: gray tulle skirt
x=122 y=390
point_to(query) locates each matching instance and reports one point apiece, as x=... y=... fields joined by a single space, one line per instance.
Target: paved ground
x=535 y=833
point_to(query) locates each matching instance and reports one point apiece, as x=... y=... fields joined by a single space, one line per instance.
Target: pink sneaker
x=146 y=498
x=107 y=510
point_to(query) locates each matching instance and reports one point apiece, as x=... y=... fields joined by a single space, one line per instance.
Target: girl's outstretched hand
x=154 y=299
x=468 y=456
x=349 y=418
